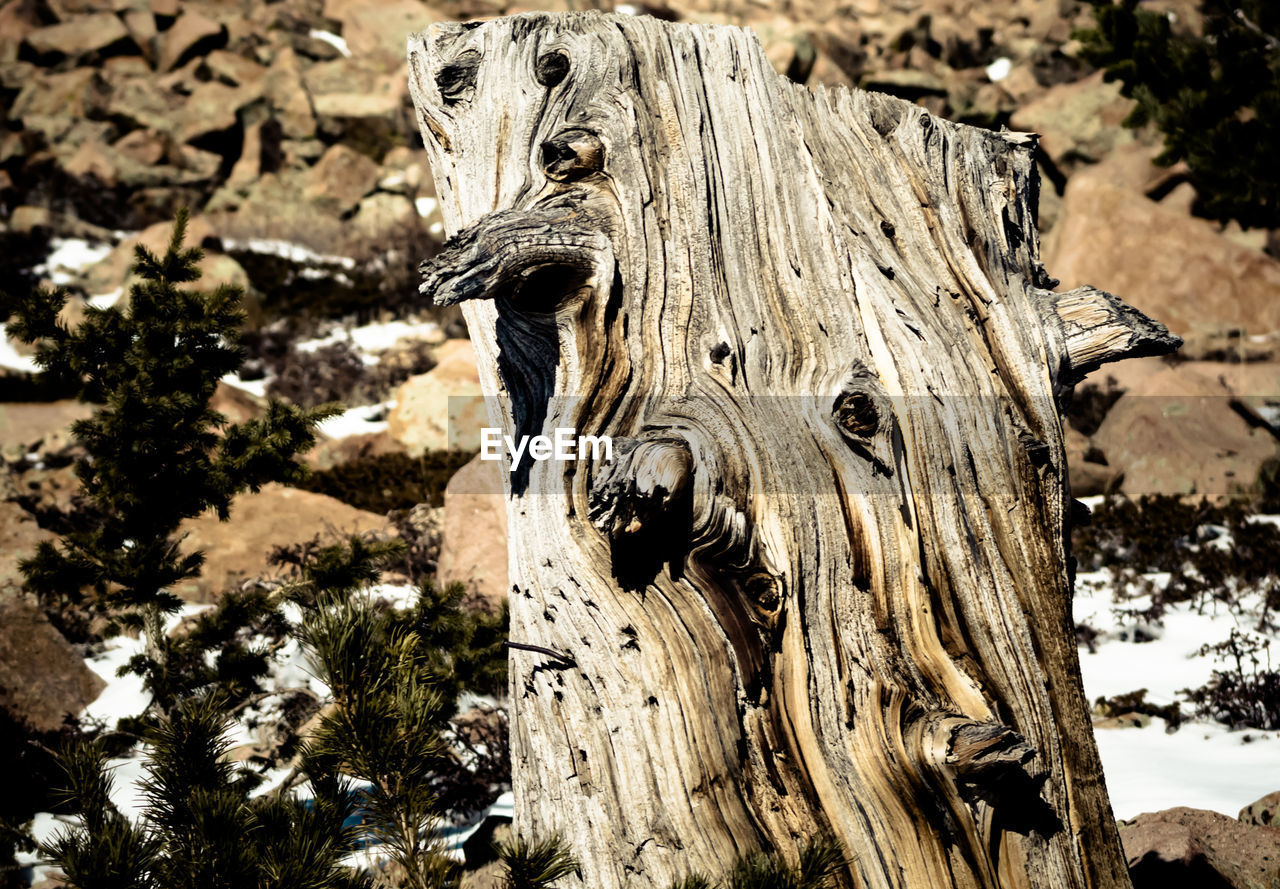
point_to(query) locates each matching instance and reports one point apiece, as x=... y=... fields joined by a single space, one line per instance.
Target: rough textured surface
x=442 y=408
x=1186 y=848
x=275 y=516
x=1167 y=264
x=1262 y=812
x=19 y=537
x=473 y=545
x=822 y=585
x=42 y=678
x=1178 y=429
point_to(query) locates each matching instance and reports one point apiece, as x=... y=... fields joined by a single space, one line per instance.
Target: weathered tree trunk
x=823 y=586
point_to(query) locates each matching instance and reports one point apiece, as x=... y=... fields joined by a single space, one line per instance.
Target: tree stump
x=823 y=586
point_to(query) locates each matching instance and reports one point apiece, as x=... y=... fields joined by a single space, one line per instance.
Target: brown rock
x=192 y=34
x=1087 y=476
x=140 y=103
x=81 y=36
x=340 y=179
x=143 y=146
x=1133 y=167
x=233 y=69
x=442 y=408
x=275 y=516
x=284 y=88
x=375 y=32
x=19 y=537
x=42 y=678
x=1168 y=265
x=37 y=426
x=1185 y=847
x=381 y=217
x=1262 y=812
x=236 y=404
x=142 y=28
x=334 y=452
x=1077 y=121
x=91 y=159
x=211 y=108
x=473 y=548
x=1174 y=431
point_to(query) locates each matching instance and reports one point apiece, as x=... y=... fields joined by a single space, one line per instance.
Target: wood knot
x=572 y=155
x=455 y=80
x=551 y=69
x=856 y=414
x=763 y=591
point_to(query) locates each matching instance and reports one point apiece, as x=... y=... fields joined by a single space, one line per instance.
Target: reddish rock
x=1174 y=268
x=19 y=537
x=192 y=34
x=1174 y=431
x=1187 y=848
x=42 y=678
x=236 y=404
x=473 y=548
x=92 y=159
x=375 y=32
x=340 y=179
x=442 y=408
x=40 y=426
x=83 y=35
x=284 y=89
x=1077 y=121
x=237 y=550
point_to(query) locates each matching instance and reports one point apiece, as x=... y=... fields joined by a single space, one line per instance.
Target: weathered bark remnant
x=823 y=585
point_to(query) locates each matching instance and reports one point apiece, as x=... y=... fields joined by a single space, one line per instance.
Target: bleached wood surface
x=823 y=586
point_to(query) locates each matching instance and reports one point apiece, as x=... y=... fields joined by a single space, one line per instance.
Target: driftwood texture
x=823 y=586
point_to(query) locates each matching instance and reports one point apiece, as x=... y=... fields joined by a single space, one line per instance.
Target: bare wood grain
x=823 y=586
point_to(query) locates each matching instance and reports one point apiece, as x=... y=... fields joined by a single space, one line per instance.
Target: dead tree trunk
x=823 y=586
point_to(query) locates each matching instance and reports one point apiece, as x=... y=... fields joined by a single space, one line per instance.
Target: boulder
x=1175 y=431
x=275 y=516
x=192 y=34
x=80 y=37
x=233 y=69
x=1187 y=848
x=473 y=547
x=42 y=678
x=1087 y=475
x=1262 y=812
x=211 y=108
x=27 y=427
x=1170 y=266
x=284 y=89
x=19 y=537
x=236 y=404
x=340 y=179
x=375 y=32
x=1077 y=121
x=442 y=408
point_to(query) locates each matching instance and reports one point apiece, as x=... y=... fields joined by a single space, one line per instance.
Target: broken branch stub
x=822 y=587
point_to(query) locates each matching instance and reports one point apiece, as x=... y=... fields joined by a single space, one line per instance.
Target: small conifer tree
x=1215 y=97
x=153 y=456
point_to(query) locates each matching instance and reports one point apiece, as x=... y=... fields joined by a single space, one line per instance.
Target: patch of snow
x=127 y=773
x=380 y=337
x=286 y=250
x=626 y=9
x=436 y=229
x=999 y=70
x=68 y=256
x=332 y=39
x=1205 y=766
x=426 y=205
x=254 y=387
x=106 y=300
x=356 y=421
x=10 y=358
x=397 y=595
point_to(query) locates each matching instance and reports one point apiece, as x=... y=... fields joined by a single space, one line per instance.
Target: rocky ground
x=287 y=128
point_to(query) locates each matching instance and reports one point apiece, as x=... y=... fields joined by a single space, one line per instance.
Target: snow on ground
x=362 y=420
x=10 y=358
x=1203 y=765
x=67 y=257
